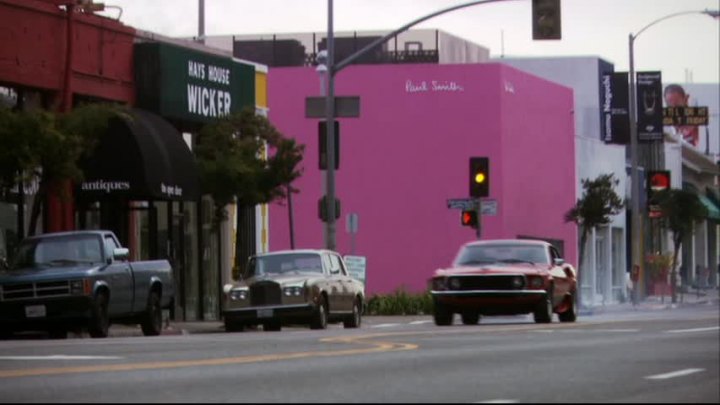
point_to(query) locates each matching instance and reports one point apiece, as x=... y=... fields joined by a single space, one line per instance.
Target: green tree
x=680 y=210
x=229 y=153
x=47 y=146
x=599 y=203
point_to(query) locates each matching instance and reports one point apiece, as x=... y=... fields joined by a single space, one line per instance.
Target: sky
x=685 y=48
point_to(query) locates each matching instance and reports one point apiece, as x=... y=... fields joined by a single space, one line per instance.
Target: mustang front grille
x=487 y=282
x=265 y=293
x=41 y=289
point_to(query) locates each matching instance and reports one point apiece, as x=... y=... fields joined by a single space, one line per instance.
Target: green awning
x=713 y=210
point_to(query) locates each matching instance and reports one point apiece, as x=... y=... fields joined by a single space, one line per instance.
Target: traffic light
x=546 y=23
x=479 y=177
x=469 y=218
x=323 y=209
x=657 y=181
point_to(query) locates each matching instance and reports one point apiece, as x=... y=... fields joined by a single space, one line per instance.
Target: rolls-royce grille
x=35 y=290
x=265 y=293
x=509 y=282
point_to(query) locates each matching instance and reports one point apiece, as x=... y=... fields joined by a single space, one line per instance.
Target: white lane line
x=384 y=325
x=674 y=374
x=693 y=330
x=498 y=401
x=60 y=357
x=419 y=322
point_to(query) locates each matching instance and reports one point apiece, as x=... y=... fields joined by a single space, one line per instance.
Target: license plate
x=265 y=313
x=35 y=311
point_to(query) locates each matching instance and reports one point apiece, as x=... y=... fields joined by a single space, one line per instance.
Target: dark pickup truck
x=82 y=280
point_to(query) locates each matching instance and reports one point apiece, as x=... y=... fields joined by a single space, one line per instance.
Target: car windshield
x=58 y=251
x=284 y=263
x=483 y=254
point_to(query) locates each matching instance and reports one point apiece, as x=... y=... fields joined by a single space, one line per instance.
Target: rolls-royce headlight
x=237 y=295
x=455 y=283
x=518 y=282
x=293 y=291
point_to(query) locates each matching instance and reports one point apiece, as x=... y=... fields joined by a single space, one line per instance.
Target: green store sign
x=188 y=85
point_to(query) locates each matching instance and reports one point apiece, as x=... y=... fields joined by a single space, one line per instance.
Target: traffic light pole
x=478 y=230
x=332 y=70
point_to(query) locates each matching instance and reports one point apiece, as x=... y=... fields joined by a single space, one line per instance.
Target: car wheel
x=441 y=315
x=272 y=326
x=320 y=318
x=570 y=315
x=99 y=323
x=543 y=312
x=233 y=326
x=356 y=318
x=470 y=318
x=151 y=324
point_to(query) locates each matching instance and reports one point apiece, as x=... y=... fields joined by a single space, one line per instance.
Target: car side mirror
x=558 y=261
x=121 y=254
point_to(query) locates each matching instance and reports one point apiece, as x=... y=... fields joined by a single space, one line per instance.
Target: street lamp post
x=637 y=248
x=332 y=69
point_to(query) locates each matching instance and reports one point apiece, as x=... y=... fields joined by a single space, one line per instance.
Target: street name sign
x=462 y=203
x=345 y=106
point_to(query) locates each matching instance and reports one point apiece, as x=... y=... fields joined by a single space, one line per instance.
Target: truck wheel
x=57 y=333
x=100 y=323
x=151 y=324
x=233 y=326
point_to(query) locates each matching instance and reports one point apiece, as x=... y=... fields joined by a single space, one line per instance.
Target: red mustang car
x=505 y=277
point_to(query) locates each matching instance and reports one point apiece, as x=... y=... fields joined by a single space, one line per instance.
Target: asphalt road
x=663 y=356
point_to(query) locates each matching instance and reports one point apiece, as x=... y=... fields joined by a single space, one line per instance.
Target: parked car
x=294 y=287
x=82 y=279
x=505 y=277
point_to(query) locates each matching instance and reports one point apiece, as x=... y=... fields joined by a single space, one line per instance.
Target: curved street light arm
x=340 y=65
x=711 y=13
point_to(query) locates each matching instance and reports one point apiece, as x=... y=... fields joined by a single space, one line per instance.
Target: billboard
x=649 y=106
x=615 y=122
x=685 y=113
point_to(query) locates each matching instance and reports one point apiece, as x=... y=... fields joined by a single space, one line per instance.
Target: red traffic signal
x=469 y=218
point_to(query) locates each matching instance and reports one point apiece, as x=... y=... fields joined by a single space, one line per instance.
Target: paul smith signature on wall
x=432 y=85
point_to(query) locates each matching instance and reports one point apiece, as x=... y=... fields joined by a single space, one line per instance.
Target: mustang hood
x=515 y=268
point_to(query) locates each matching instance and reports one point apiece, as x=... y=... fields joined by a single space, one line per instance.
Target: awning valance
x=140 y=157
x=713 y=210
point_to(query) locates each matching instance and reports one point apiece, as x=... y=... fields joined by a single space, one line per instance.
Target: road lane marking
x=385 y=325
x=674 y=374
x=375 y=347
x=498 y=401
x=693 y=330
x=60 y=357
x=419 y=322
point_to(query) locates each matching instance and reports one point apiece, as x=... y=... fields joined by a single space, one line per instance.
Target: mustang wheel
x=58 y=333
x=100 y=323
x=151 y=324
x=272 y=326
x=543 y=312
x=356 y=318
x=470 y=318
x=570 y=315
x=441 y=315
x=320 y=318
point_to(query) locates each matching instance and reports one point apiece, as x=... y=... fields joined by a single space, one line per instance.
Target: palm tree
x=597 y=206
x=680 y=209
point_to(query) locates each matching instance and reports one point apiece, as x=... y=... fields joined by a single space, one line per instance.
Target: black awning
x=140 y=157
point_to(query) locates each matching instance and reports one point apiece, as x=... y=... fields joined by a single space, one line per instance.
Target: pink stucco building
x=408 y=152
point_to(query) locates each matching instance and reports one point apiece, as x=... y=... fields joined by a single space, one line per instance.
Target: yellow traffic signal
x=479 y=177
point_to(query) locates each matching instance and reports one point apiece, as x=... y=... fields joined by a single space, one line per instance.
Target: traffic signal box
x=479 y=177
x=322 y=144
x=546 y=23
x=657 y=181
x=469 y=218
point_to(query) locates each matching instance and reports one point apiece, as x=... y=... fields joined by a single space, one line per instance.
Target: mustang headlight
x=455 y=283
x=294 y=291
x=237 y=295
x=439 y=283
x=518 y=282
x=536 y=282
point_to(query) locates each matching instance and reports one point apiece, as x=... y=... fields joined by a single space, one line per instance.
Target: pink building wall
x=408 y=153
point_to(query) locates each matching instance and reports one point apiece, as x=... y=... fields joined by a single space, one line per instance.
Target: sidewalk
x=688 y=299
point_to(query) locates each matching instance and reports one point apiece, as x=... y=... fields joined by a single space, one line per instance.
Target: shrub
x=400 y=302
